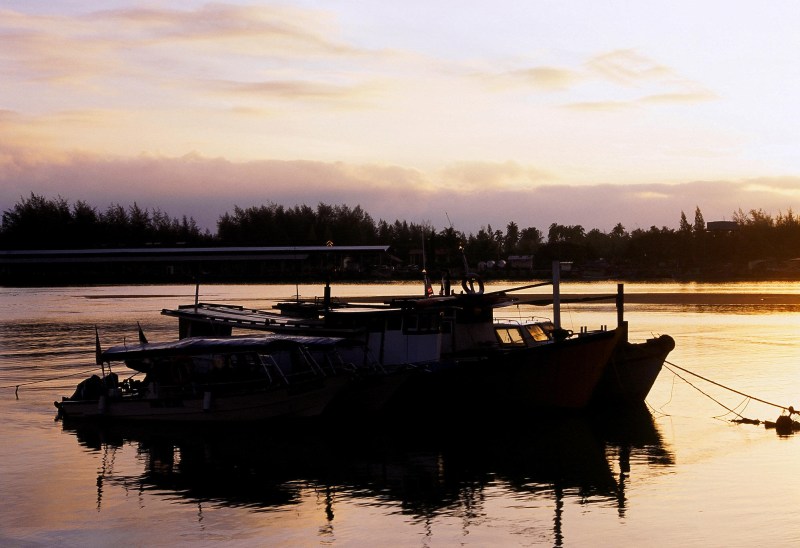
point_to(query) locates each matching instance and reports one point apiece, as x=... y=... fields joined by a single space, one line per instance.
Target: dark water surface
x=676 y=472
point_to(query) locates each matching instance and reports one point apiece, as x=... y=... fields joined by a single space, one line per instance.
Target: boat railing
x=334 y=361
x=267 y=361
x=373 y=362
x=309 y=360
x=521 y=321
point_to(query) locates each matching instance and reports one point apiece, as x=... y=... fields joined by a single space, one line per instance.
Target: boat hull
x=556 y=375
x=562 y=374
x=632 y=371
x=308 y=400
x=370 y=394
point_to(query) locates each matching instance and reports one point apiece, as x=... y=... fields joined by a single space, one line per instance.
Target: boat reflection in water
x=426 y=470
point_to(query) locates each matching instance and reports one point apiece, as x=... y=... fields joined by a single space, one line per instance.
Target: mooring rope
x=709 y=396
x=17 y=385
x=789 y=408
x=783 y=425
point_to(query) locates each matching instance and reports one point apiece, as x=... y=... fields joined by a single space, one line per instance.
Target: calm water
x=678 y=473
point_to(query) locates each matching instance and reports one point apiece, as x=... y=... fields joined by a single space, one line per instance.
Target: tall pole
x=556 y=294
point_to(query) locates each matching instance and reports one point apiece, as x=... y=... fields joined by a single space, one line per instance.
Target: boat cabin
x=522 y=334
x=393 y=335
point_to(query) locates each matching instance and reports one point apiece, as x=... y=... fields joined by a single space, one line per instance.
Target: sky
x=473 y=114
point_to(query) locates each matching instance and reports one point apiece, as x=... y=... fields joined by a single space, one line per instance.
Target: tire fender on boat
x=470 y=282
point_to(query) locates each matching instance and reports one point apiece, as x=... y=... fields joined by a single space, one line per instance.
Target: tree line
x=751 y=238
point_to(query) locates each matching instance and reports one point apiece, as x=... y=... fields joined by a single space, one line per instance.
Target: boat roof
x=263 y=320
x=213 y=345
x=493 y=300
x=234 y=315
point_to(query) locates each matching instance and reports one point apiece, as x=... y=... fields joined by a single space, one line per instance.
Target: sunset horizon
x=470 y=115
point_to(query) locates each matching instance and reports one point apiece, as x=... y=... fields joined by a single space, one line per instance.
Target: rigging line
x=657 y=411
x=704 y=393
x=743 y=404
x=46 y=380
x=729 y=388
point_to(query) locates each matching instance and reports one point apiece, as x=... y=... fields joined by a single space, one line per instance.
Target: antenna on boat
x=142 y=338
x=464 y=258
x=426 y=281
x=98 y=353
x=557 y=294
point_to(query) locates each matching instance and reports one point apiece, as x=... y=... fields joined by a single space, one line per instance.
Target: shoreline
x=699 y=299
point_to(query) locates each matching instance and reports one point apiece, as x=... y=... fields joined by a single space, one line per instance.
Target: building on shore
x=182 y=264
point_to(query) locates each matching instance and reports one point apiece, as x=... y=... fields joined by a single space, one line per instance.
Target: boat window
x=394 y=323
x=509 y=336
x=202 y=365
x=422 y=323
x=537 y=332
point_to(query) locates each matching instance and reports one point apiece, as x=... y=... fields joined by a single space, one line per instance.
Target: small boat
x=451 y=337
x=206 y=379
x=632 y=370
x=536 y=364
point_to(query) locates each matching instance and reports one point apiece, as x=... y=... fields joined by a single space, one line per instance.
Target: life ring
x=470 y=281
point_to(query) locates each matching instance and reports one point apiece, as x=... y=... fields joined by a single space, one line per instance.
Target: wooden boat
x=213 y=379
x=632 y=370
x=452 y=336
x=551 y=369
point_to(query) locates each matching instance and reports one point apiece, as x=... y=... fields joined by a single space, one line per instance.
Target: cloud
x=72 y=49
x=612 y=81
x=650 y=195
x=544 y=78
x=600 y=106
x=783 y=186
x=297 y=90
x=491 y=193
x=677 y=98
x=627 y=67
x=261 y=29
x=661 y=84
x=55 y=49
x=687 y=97
x=469 y=177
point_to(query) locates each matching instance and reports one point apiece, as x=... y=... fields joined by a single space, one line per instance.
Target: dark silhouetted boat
x=204 y=379
x=453 y=335
x=632 y=370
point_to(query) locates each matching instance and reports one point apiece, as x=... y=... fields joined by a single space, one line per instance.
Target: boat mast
x=428 y=287
x=556 y=294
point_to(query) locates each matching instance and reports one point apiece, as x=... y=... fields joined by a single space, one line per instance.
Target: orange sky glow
x=568 y=112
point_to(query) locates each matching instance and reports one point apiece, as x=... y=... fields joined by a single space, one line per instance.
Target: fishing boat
x=205 y=379
x=452 y=335
x=631 y=370
x=493 y=373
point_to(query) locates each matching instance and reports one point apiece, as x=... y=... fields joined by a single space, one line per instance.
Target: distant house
x=140 y=265
x=722 y=226
x=520 y=262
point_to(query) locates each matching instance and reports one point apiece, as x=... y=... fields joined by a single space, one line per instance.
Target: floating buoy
x=783 y=425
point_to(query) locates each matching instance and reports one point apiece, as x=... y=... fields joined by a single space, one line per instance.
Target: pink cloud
x=205 y=188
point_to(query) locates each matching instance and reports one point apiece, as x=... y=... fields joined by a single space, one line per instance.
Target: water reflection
x=427 y=470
